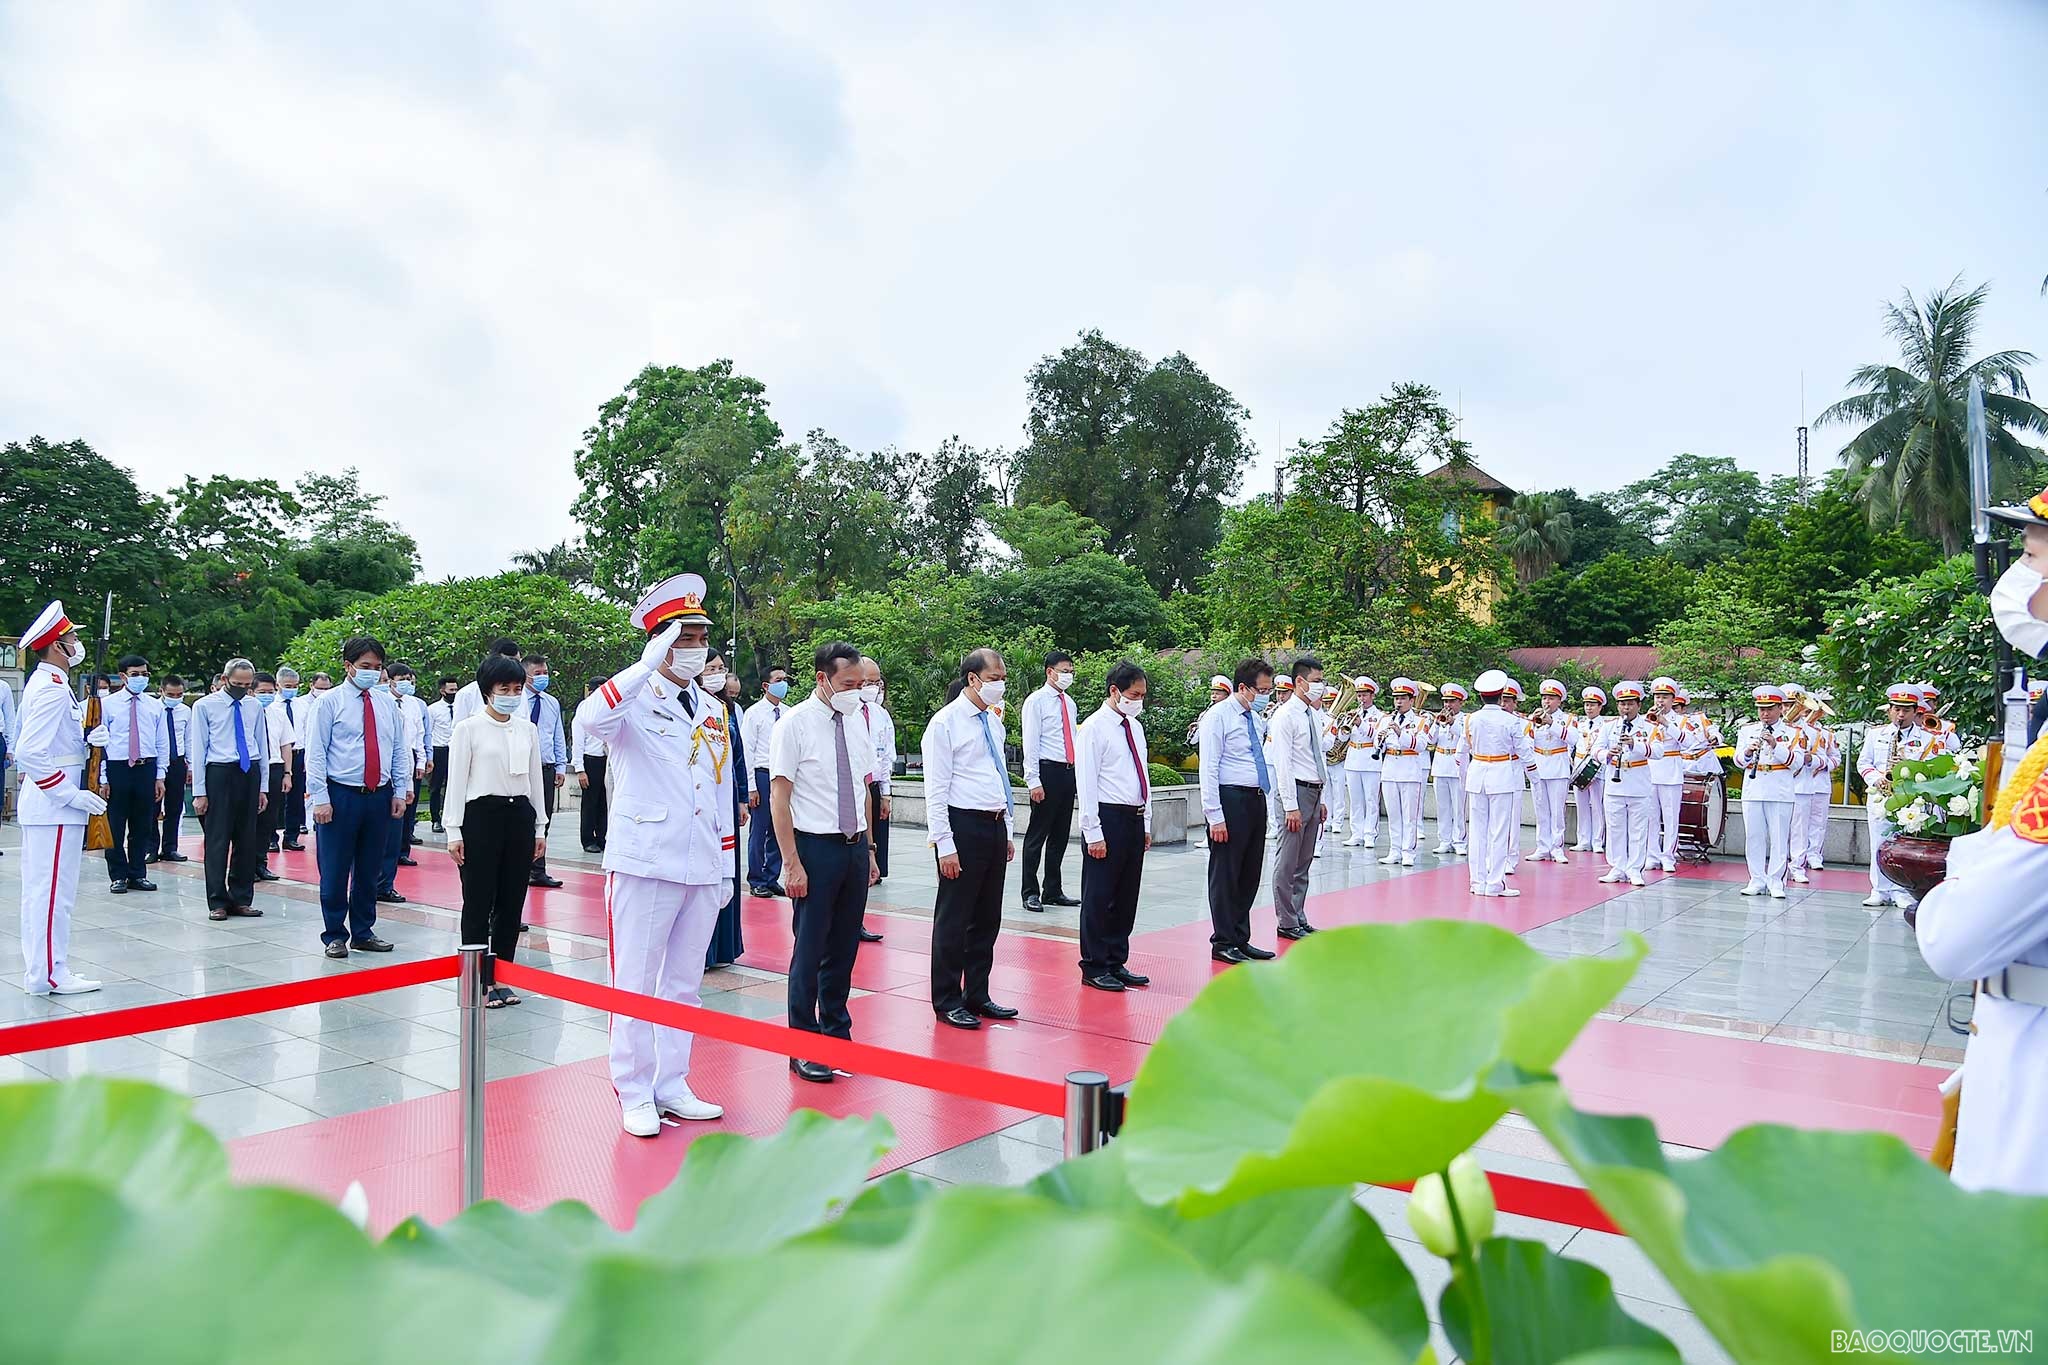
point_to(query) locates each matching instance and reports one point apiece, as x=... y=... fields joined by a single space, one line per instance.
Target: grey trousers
x=1291 y=860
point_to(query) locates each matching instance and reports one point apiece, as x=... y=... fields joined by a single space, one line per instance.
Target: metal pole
x=469 y=999
x=1087 y=1095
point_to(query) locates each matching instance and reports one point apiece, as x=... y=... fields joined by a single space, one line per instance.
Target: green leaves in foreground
x=1782 y=1235
x=1356 y=1057
x=1543 y=1308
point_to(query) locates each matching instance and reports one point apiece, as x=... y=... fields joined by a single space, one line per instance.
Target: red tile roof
x=1609 y=661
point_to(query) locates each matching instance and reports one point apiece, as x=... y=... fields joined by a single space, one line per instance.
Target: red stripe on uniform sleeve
x=611 y=694
x=53 y=780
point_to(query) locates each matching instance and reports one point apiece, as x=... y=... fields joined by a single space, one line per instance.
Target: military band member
x=1219 y=688
x=1448 y=746
x=1362 y=765
x=54 y=804
x=1404 y=748
x=1498 y=750
x=1624 y=754
x=669 y=844
x=1769 y=755
x=1550 y=775
x=1703 y=759
x=1811 y=790
x=1586 y=730
x=1944 y=738
x=1670 y=740
x=1511 y=702
x=1884 y=747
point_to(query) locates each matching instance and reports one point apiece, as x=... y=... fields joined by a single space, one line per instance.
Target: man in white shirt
x=874 y=714
x=586 y=760
x=1115 y=795
x=1235 y=785
x=292 y=820
x=177 y=739
x=764 y=856
x=6 y=739
x=135 y=739
x=1300 y=770
x=545 y=712
x=440 y=734
x=820 y=763
x=280 y=743
x=972 y=826
x=412 y=718
x=1498 y=748
x=1049 y=720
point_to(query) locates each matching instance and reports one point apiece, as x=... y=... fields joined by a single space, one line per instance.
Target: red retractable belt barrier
x=953 y=1078
x=1541 y=1199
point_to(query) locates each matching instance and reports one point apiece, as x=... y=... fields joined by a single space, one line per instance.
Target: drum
x=1702 y=816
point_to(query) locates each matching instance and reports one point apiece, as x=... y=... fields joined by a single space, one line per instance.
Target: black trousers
x=879 y=827
x=969 y=911
x=295 y=801
x=174 y=807
x=131 y=817
x=595 y=812
x=827 y=932
x=497 y=851
x=547 y=796
x=1052 y=824
x=1234 y=867
x=272 y=816
x=232 y=850
x=1109 y=890
x=437 y=786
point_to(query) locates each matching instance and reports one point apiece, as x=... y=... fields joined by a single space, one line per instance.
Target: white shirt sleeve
x=938 y=783
x=455 y=798
x=1283 y=754
x=1035 y=707
x=1209 y=764
x=1989 y=910
x=1087 y=799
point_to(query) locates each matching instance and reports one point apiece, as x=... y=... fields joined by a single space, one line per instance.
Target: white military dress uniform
x=1770 y=758
x=1670 y=738
x=1624 y=753
x=1590 y=798
x=1810 y=793
x=1884 y=746
x=1497 y=749
x=1448 y=743
x=1550 y=740
x=668 y=854
x=1405 y=739
x=1362 y=767
x=52 y=810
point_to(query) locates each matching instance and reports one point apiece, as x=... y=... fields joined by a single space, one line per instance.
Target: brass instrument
x=1620 y=744
x=1342 y=704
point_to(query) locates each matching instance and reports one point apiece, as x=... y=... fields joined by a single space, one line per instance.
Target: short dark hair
x=447 y=678
x=497 y=670
x=270 y=678
x=356 y=646
x=532 y=659
x=768 y=673
x=978 y=661
x=1124 y=674
x=172 y=681
x=1250 y=671
x=128 y=661
x=400 y=670
x=504 y=645
x=320 y=677
x=1058 y=657
x=1307 y=663
x=594 y=683
x=826 y=658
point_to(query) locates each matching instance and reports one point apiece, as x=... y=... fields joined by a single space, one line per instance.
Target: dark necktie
x=241 y=740
x=1144 y=778
x=689 y=707
x=171 y=729
x=288 y=711
x=534 y=715
x=373 y=760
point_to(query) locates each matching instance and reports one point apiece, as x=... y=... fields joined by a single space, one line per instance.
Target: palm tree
x=565 y=560
x=1536 y=532
x=1912 y=456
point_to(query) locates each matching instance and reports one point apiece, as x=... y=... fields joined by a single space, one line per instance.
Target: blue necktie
x=995 y=756
x=1251 y=735
x=241 y=740
x=534 y=715
x=288 y=711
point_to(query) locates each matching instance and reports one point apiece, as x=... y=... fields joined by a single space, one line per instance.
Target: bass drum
x=1703 y=815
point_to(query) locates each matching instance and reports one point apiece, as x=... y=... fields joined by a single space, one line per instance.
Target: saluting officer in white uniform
x=54 y=805
x=668 y=845
x=1884 y=746
x=1770 y=757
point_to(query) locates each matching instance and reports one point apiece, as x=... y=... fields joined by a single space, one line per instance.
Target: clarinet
x=1756 y=755
x=1619 y=746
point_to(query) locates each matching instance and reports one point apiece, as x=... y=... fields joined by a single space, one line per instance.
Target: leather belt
x=1552 y=753
x=2022 y=983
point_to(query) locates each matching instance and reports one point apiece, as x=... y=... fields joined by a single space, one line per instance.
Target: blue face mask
x=287 y=692
x=265 y=698
x=365 y=678
x=540 y=682
x=404 y=689
x=1262 y=701
x=138 y=683
x=779 y=690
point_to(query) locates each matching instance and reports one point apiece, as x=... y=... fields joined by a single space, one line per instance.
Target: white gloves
x=656 y=653
x=81 y=798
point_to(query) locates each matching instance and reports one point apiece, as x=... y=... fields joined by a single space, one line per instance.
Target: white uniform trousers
x=1592 y=817
x=1881 y=830
x=1628 y=833
x=1548 y=793
x=1450 y=812
x=659 y=932
x=1766 y=841
x=1493 y=840
x=1404 y=815
x=1362 y=790
x=1276 y=814
x=1667 y=798
x=1339 y=793
x=1809 y=829
x=50 y=858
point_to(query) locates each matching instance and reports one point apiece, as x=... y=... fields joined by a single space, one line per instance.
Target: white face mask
x=846 y=703
x=714 y=683
x=870 y=695
x=2011 y=599
x=503 y=704
x=75 y=653
x=1132 y=707
x=1315 y=691
x=1063 y=681
x=688 y=663
x=992 y=690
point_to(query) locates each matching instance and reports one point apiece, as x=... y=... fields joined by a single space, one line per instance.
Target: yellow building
x=1477 y=597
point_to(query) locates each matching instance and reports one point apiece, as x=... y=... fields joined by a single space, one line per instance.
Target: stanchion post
x=1087 y=1094
x=469 y=998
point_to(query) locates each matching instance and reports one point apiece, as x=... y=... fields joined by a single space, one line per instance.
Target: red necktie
x=1144 y=783
x=373 y=767
x=1067 y=727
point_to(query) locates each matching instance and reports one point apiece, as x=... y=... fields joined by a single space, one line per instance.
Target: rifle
x=99 y=831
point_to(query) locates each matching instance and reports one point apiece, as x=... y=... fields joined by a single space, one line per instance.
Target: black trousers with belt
x=1052 y=824
x=272 y=817
x=131 y=816
x=547 y=796
x=827 y=931
x=1109 y=890
x=969 y=911
x=174 y=807
x=595 y=812
x=295 y=799
x=497 y=851
x=880 y=826
x=232 y=851
x=437 y=786
x=1234 y=867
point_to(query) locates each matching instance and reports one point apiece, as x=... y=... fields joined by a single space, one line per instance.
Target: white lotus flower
x=1913 y=818
x=1959 y=805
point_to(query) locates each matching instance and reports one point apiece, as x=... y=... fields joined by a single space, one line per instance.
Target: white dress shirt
x=6 y=711
x=803 y=747
x=153 y=730
x=1297 y=749
x=959 y=771
x=882 y=726
x=468 y=701
x=440 y=723
x=757 y=728
x=279 y=732
x=491 y=757
x=178 y=726
x=1229 y=756
x=1106 y=771
x=582 y=743
x=1045 y=739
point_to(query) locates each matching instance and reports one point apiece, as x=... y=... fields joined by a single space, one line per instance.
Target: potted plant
x=1931 y=801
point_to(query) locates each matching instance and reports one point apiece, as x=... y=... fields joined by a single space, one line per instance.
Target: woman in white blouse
x=496 y=818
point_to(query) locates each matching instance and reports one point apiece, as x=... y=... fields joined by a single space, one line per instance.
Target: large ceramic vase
x=1915 y=862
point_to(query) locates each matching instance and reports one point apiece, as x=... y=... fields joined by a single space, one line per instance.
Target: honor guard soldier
x=1624 y=756
x=54 y=805
x=1586 y=730
x=1550 y=740
x=1404 y=746
x=1362 y=766
x=668 y=846
x=1884 y=747
x=1447 y=763
x=1769 y=755
x=1498 y=749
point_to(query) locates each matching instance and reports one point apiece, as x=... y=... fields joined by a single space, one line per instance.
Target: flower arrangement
x=1939 y=797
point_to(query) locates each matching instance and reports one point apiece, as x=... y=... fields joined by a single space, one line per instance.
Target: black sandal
x=497 y=997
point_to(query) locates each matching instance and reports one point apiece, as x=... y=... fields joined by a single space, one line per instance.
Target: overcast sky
x=257 y=239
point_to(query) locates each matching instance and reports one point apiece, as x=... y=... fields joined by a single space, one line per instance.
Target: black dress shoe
x=1131 y=978
x=372 y=944
x=178 y=858
x=390 y=898
x=150 y=858
x=1292 y=933
x=437 y=828
x=1257 y=954
x=1034 y=904
x=816 y=1072
x=1307 y=928
x=271 y=847
x=989 y=1009
x=244 y=912
x=1062 y=898
x=404 y=861
x=119 y=886
x=141 y=884
x=960 y=1018
x=760 y=892
x=264 y=874
x=543 y=880
x=525 y=928
x=775 y=889
x=1227 y=954
x=336 y=950
x=870 y=936
x=1104 y=981
x=294 y=846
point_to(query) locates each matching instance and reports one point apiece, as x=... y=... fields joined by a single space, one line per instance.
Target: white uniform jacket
x=50 y=750
x=1671 y=739
x=1408 y=738
x=1362 y=741
x=1770 y=764
x=671 y=779
x=1497 y=745
x=1550 y=740
x=1624 y=754
x=1448 y=743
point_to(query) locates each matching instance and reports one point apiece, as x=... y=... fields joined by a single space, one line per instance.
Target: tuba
x=1342 y=704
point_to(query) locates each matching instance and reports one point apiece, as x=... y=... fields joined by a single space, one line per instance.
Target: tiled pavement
x=1813 y=971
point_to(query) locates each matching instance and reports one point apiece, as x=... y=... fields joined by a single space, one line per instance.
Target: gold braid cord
x=2023 y=804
